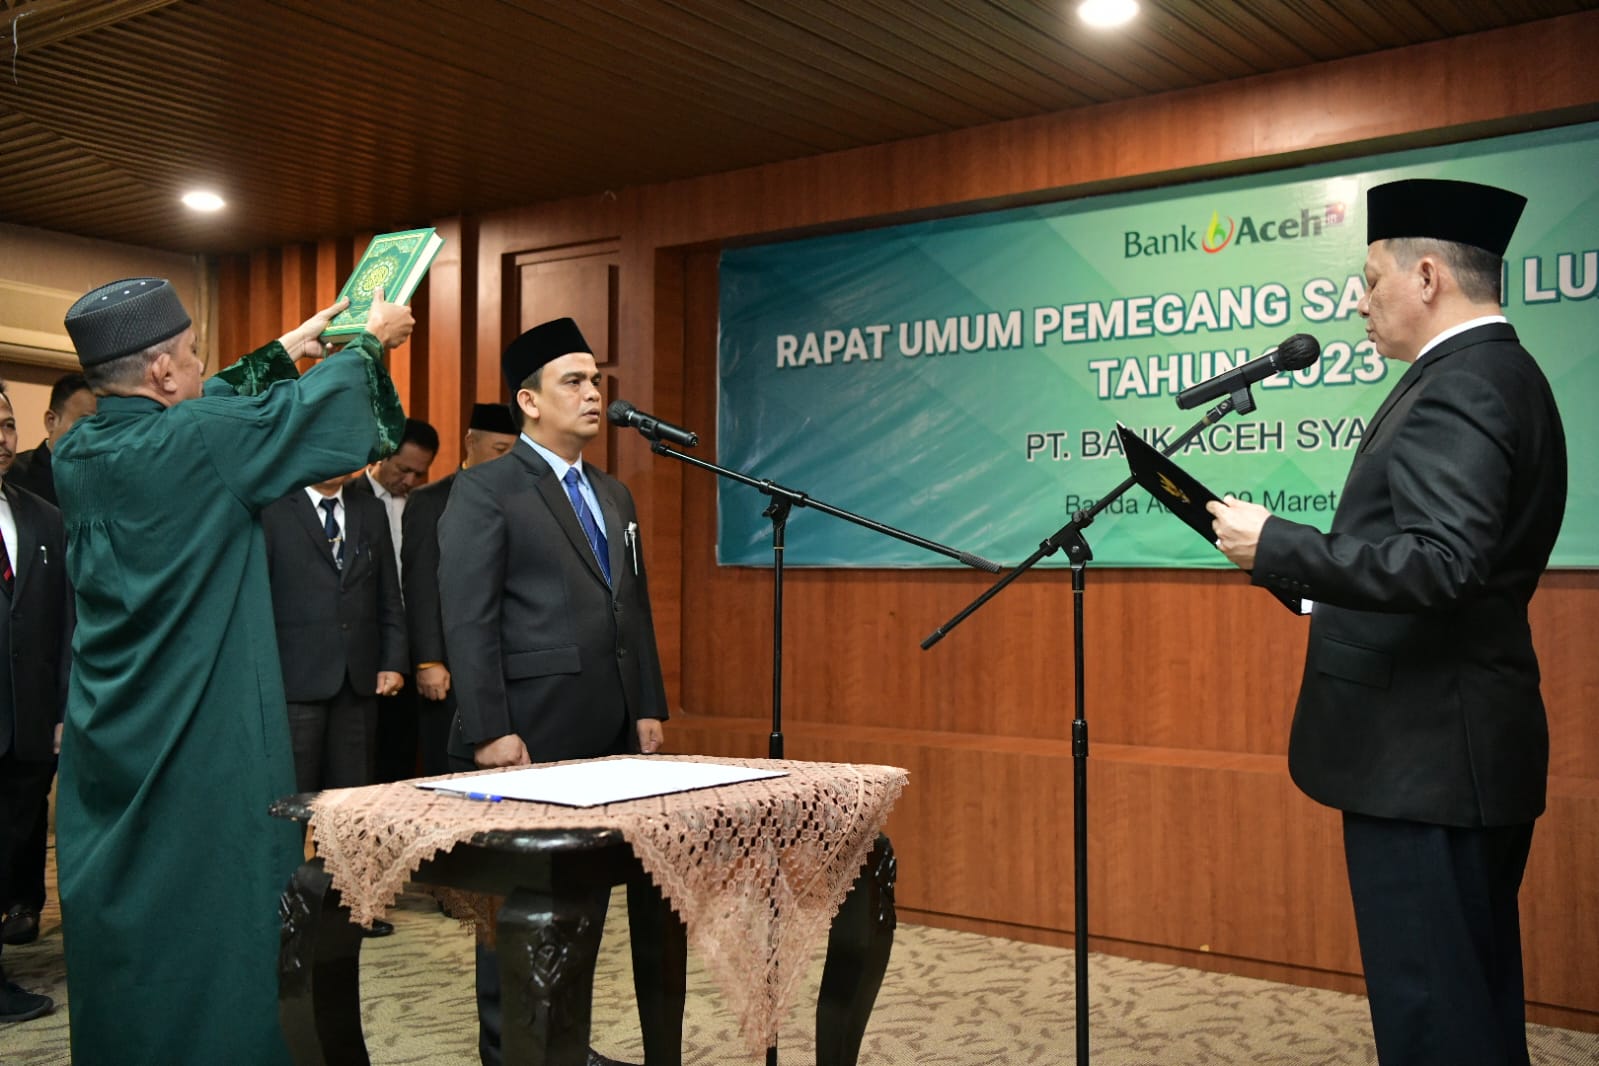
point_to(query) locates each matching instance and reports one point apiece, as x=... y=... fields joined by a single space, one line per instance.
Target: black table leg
x=319 y=973
x=660 y=970
x=547 y=943
x=857 y=958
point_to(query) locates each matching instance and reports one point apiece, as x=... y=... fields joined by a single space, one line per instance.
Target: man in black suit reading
x=541 y=583
x=35 y=660
x=490 y=434
x=1420 y=715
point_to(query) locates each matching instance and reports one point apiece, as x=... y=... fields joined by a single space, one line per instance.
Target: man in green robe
x=176 y=737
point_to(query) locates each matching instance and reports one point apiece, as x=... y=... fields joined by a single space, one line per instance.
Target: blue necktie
x=330 y=526
x=585 y=518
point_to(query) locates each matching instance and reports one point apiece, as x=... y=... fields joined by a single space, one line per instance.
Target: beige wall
x=39 y=265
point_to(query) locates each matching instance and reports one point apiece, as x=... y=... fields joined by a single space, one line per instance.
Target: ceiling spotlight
x=203 y=201
x=1107 y=13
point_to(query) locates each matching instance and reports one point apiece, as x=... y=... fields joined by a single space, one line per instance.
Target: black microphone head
x=1298 y=351
x=620 y=409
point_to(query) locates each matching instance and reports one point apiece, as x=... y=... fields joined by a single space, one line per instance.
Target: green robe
x=176 y=736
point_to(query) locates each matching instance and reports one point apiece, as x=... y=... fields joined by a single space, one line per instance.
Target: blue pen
x=484 y=796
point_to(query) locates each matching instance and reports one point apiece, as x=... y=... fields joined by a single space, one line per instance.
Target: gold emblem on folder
x=1170 y=489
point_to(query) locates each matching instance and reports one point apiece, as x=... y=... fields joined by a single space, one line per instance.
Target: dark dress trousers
x=1419 y=713
x=36 y=637
x=419 y=555
x=336 y=630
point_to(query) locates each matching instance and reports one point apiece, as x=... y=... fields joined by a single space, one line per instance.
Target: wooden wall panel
x=1202 y=851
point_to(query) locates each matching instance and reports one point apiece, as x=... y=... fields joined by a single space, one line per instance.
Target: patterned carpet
x=949 y=997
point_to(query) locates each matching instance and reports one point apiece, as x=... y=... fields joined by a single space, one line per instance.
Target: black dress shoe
x=21 y=925
x=17 y=1005
x=596 y=1059
x=379 y=928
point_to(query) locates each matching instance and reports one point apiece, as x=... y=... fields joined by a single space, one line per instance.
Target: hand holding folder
x=1180 y=493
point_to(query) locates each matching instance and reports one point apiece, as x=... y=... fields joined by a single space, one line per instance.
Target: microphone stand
x=1070 y=537
x=782 y=501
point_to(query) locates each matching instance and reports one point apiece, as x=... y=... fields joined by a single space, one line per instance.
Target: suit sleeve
x=295 y=433
x=472 y=564
x=419 y=552
x=1448 y=478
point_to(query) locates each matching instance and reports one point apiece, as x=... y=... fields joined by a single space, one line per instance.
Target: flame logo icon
x=1169 y=488
x=1218 y=237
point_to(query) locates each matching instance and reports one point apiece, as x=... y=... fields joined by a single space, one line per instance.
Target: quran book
x=1180 y=493
x=395 y=261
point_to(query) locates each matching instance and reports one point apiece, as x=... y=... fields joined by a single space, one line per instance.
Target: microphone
x=622 y=413
x=1295 y=353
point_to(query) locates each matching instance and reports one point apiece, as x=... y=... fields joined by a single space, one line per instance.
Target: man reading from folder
x=1419 y=715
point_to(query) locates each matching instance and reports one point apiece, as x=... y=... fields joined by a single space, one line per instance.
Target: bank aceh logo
x=1224 y=231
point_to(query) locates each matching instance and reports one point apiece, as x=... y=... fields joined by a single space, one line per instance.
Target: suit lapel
x=615 y=534
x=1493 y=331
x=310 y=516
x=353 y=529
x=27 y=543
x=560 y=505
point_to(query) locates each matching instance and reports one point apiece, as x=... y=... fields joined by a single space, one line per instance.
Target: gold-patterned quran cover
x=397 y=262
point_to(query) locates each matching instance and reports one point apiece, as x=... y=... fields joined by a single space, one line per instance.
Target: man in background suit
x=1420 y=715
x=35 y=661
x=490 y=434
x=23 y=898
x=546 y=610
x=340 y=628
x=390 y=482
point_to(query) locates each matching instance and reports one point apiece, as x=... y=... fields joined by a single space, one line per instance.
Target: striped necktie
x=330 y=527
x=585 y=518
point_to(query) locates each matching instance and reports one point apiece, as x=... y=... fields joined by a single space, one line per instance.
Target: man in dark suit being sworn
x=1420 y=715
x=541 y=584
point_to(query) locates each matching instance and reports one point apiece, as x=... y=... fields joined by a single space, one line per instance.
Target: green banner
x=962 y=379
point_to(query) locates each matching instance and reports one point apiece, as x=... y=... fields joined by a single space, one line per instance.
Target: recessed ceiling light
x=203 y=201
x=1105 y=13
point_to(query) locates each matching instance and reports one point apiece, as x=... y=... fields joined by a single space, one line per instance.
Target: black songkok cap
x=1459 y=211
x=492 y=418
x=538 y=346
x=125 y=317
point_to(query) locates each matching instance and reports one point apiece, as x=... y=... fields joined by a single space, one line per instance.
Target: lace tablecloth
x=756 y=870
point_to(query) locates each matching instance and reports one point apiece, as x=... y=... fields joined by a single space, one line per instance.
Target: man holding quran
x=1419 y=714
x=176 y=740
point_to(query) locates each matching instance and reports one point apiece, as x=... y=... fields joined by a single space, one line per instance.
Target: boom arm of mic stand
x=1070 y=535
x=799 y=499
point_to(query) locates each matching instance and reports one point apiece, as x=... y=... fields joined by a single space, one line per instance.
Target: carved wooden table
x=548 y=936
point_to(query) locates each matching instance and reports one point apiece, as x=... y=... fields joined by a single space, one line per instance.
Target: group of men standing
x=198 y=528
x=238 y=614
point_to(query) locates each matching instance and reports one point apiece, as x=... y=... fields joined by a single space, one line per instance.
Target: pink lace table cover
x=756 y=870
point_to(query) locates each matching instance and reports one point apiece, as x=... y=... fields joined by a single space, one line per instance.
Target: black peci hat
x=1460 y=211
x=492 y=418
x=539 y=345
x=124 y=317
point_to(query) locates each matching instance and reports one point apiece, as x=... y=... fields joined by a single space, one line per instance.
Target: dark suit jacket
x=419 y=555
x=1420 y=697
x=40 y=625
x=31 y=470
x=538 y=644
x=332 y=623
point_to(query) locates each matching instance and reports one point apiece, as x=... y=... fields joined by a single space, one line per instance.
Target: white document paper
x=591 y=784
